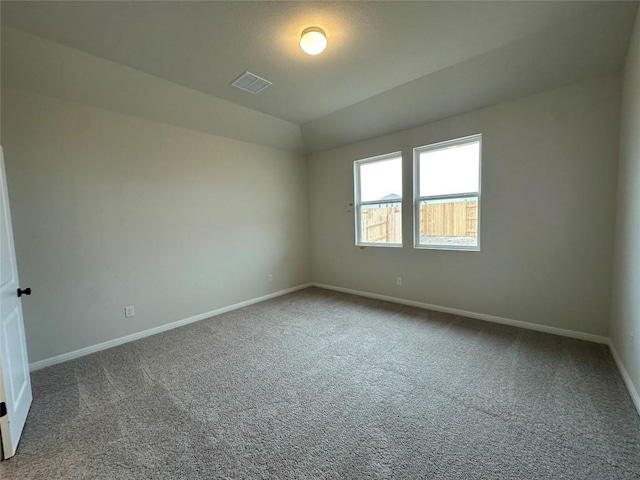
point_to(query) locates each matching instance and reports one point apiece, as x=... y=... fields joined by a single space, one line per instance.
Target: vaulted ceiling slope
x=388 y=66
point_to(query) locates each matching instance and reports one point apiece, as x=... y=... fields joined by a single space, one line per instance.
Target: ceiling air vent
x=250 y=83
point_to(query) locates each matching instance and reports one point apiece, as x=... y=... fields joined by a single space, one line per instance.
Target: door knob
x=26 y=291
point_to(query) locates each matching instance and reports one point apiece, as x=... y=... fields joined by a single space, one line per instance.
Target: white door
x=15 y=384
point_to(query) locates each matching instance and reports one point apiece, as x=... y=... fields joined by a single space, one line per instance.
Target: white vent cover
x=250 y=83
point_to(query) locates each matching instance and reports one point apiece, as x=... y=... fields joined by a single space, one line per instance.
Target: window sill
x=384 y=245
x=447 y=247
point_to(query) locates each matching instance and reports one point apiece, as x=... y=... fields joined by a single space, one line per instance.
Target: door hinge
x=3 y=409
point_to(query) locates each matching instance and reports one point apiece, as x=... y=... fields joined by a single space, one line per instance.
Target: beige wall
x=625 y=328
x=548 y=181
x=111 y=210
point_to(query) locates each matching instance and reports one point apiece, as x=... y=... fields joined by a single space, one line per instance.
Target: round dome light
x=313 y=40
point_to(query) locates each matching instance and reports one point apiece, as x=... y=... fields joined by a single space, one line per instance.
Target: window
x=447 y=186
x=378 y=200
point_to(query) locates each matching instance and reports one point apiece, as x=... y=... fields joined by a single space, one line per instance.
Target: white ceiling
x=376 y=51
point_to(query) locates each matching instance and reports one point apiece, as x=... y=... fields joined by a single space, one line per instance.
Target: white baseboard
x=479 y=316
x=625 y=376
x=152 y=331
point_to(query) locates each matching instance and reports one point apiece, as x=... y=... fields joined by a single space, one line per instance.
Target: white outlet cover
x=129 y=311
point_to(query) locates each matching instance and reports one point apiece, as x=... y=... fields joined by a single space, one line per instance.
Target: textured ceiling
x=389 y=65
x=373 y=46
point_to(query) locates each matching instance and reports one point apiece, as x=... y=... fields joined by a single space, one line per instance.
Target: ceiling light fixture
x=313 y=40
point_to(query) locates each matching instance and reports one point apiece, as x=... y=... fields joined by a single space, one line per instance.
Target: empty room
x=320 y=240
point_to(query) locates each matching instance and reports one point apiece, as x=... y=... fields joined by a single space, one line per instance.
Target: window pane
x=450 y=222
x=381 y=180
x=450 y=170
x=381 y=223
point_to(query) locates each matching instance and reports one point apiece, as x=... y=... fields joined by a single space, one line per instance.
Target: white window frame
x=358 y=204
x=418 y=199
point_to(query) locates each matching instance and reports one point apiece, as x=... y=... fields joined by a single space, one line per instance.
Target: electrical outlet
x=129 y=311
x=399 y=281
x=270 y=278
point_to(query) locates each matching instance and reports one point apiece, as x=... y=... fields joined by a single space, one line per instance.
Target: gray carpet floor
x=319 y=384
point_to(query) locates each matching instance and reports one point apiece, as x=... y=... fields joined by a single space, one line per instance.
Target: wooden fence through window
x=382 y=225
x=451 y=219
